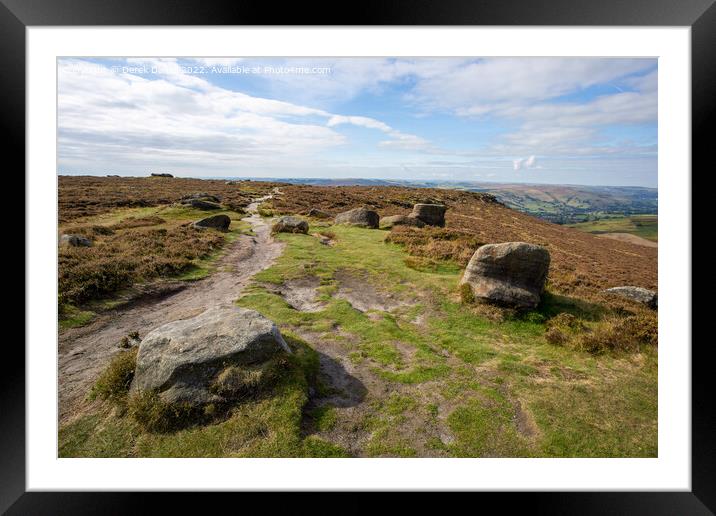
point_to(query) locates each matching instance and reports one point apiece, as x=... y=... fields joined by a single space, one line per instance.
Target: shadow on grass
x=553 y=304
x=334 y=388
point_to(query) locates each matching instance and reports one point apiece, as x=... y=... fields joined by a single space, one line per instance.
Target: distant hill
x=566 y=204
x=562 y=204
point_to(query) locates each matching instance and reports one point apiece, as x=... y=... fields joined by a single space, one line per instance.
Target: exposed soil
x=300 y=293
x=84 y=352
x=362 y=295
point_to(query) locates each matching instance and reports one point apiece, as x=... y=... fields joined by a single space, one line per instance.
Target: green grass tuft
x=114 y=382
x=72 y=317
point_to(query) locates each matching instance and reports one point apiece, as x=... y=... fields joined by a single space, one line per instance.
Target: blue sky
x=590 y=121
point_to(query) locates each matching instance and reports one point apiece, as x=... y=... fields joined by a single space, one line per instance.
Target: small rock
x=203 y=196
x=220 y=222
x=511 y=274
x=201 y=204
x=430 y=214
x=638 y=294
x=317 y=214
x=290 y=224
x=75 y=241
x=401 y=220
x=359 y=217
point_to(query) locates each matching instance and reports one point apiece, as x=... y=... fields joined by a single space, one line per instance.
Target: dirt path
x=84 y=352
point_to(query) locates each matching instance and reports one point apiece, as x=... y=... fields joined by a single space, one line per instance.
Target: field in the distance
x=390 y=360
x=643 y=226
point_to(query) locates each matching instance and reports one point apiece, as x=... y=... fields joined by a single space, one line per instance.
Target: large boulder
x=510 y=274
x=220 y=222
x=401 y=220
x=290 y=224
x=431 y=214
x=362 y=217
x=638 y=294
x=67 y=240
x=184 y=360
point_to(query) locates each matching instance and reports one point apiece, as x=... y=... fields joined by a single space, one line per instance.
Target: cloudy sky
x=540 y=120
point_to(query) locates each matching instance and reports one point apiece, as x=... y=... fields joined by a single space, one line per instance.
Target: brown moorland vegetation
x=83 y=196
x=119 y=260
x=129 y=245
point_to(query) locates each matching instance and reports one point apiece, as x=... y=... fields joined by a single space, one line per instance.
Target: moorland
x=389 y=356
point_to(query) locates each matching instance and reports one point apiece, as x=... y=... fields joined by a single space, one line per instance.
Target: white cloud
x=176 y=118
x=171 y=116
x=522 y=92
x=410 y=142
x=477 y=86
x=398 y=141
x=360 y=121
x=521 y=163
x=217 y=61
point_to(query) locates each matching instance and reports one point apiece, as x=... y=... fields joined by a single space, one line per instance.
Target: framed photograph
x=435 y=249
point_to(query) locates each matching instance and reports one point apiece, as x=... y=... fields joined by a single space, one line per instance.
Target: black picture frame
x=700 y=15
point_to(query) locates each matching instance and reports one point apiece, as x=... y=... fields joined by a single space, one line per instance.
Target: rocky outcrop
x=362 y=217
x=401 y=220
x=510 y=274
x=220 y=222
x=290 y=224
x=184 y=361
x=154 y=174
x=74 y=241
x=638 y=294
x=430 y=214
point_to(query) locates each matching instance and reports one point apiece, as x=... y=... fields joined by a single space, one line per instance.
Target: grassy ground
x=442 y=378
x=644 y=226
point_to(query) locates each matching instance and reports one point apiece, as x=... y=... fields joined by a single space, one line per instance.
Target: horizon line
x=306 y=178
